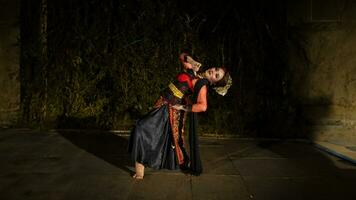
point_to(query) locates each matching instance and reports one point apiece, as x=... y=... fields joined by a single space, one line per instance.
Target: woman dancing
x=157 y=140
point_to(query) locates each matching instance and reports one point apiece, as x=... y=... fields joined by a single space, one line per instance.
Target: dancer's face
x=214 y=74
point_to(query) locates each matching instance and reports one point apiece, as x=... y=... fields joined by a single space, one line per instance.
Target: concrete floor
x=94 y=165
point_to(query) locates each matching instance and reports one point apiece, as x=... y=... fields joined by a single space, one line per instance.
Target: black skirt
x=151 y=140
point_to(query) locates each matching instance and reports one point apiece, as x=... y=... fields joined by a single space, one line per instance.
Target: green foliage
x=108 y=61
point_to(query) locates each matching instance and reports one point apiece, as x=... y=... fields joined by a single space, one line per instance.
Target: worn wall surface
x=322 y=59
x=9 y=62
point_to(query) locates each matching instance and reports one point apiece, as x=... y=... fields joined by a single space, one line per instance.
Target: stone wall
x=322 y=65
x=9 y=62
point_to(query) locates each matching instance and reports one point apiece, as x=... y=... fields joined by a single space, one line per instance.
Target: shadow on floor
x=104 y=145
x=302 y=150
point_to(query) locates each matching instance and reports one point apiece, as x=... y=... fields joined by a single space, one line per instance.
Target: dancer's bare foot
x=135 y=176
x=140 y=171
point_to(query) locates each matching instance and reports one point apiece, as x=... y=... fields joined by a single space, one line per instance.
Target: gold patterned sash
x=176 y=92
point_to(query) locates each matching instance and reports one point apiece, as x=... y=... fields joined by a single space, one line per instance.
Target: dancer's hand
x=178 y=107
x=195 y=65
x=182 y=107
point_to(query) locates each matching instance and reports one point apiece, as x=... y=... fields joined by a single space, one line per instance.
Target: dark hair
x=183 y=57
x=222 y=82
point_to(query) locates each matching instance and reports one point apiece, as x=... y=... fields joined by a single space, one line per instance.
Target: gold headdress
x=223 y=90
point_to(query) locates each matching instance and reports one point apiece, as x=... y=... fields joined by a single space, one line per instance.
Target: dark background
x=102 y=64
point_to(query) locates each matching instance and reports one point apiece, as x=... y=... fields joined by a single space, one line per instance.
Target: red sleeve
x=185 y=78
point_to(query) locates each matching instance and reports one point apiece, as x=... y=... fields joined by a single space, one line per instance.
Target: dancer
x=157 y=140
